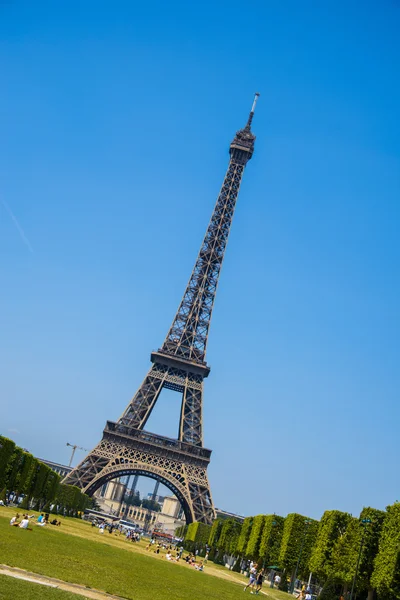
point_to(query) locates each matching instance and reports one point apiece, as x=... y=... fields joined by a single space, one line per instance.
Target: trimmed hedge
x=181 y=531
x=198 y=533
x=333 y=525
x=244 y=536
x=253 y=545
x=386 y=575
x=297 y=535
x=215 y=533
x=7 y=448
x=271 y=539
x=229 y=537
x=22 y=473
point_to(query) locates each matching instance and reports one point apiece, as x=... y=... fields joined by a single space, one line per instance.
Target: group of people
x=305 y=593
x=174 y=554
x=130 y=534
x=133 y=536
x=256 y=579
x=257 y=576
x=23 y=523
x=42 y=520
x=190 y=559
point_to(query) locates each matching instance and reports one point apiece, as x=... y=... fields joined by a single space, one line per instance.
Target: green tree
x=363 y=533
x=331 y=590
x=228 y=539
x=243 y=540
x=271 y=538
x=181 y=531
x=298 y=537
x=28 y=472
x=198 y=533
x=215 y=533
x=253 y=545
x=332 y=526
x=14 y=470
x=151 y=505
x=38 y=490
x=343 y=557
x=386 y=574
x=133 y=500
x=50 y=489
x=309 y=543
x=7 y=448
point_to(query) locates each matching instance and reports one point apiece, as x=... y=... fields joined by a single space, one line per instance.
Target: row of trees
x=24 y=475
x=332 y=549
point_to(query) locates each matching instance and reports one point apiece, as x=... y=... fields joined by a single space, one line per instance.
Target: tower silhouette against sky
x=180 y=365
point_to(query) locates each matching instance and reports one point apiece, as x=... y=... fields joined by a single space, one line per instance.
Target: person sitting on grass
x=199 y=567
x=25 y=523
x=14 y=520
x=41 y=520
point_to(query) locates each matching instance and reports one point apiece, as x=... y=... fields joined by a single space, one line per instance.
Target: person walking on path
x=253 y=577
x=259 y=580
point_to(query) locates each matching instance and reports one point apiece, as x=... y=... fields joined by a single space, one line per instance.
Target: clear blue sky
x=115 y=122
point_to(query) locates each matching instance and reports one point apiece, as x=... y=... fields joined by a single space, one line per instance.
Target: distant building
x=223 y=514
x=171 y=506
x=167 y=520
x=62 y=470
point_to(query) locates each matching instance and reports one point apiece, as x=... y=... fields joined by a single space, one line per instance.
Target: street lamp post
x=292 y=584
x=364 y=523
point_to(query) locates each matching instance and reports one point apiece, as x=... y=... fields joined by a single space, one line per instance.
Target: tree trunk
x=370 y=594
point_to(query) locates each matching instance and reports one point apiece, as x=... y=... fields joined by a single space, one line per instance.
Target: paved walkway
x=73 y=588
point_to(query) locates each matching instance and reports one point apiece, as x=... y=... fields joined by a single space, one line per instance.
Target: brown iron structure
x=179 y=365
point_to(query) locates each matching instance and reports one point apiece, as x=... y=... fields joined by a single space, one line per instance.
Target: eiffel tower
x=126 y=448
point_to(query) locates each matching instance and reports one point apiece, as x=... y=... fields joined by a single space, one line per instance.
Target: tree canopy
x=332 y=526
x=386 y=574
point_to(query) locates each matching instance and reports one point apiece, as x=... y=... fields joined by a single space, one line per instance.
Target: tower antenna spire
x=251 y=115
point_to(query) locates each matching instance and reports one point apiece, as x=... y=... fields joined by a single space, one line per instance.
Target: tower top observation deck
x=242 y=147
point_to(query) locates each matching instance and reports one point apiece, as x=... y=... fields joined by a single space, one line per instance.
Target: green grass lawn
x=77 y=553
x=15 y=589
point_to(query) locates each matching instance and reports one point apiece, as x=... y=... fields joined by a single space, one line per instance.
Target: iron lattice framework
x=179 y=365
